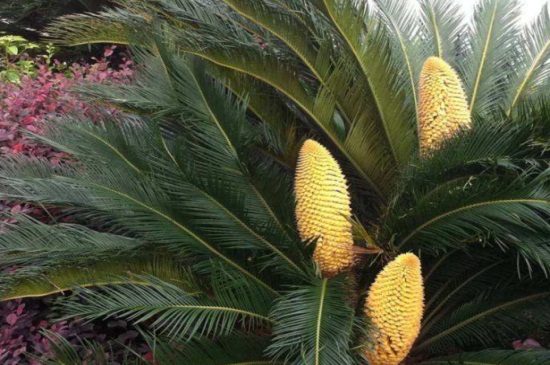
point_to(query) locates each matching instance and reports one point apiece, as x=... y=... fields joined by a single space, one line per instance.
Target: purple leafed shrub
x=20 y=326
x=21 y=323
x=29 y=105
x=46 y=95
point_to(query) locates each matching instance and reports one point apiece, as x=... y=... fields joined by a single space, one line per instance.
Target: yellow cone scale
x=443 y=108
x=395 y=305
x=323 y=208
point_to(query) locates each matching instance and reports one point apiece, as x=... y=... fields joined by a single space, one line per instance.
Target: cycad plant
x=303 y=182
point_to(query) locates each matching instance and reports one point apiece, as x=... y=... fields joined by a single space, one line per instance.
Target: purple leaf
x=11 y=319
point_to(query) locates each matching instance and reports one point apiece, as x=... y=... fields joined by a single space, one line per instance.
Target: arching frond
x=487 y=319
x=111 y=26
x=175 y=312
x=234 y=349
x=313 y=323
x=442 y=22
x=470 y=219
x=108 y=272
x=369 y=46
x=143 y=202
x=532 y=68
x=495 y=357
x=401 y=22
x=490 y=60
x=34 y=244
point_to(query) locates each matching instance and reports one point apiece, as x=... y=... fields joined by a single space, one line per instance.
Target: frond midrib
x=437 y=34
x=404 y=48
x=483 y=59
x=528 y=76
x=319 y=322
x=203 y=307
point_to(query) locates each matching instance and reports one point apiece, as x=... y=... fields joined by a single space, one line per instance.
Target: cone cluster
x=443 y=108
x=395 y=304
x=323 y=209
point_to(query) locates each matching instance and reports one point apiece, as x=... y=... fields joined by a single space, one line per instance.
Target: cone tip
x=434 y=62
x=312 y=146
x=311 y=143
x=410 y=260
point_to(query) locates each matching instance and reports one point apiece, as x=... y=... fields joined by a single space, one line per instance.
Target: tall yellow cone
x=395 y=305
x=323 y=208
x=443 y=108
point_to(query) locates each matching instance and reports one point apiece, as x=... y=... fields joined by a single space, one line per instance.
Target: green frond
x=234 y=349
x=512 y=212
x=173 y=215
x=108 y=272
x=487 y=65
x=369 y=46
x=34 y=244
x=176 y=312
x=502 y=313
x=442 y=27
x=494 y=357
x=115 y=26
x=313 y=324
x=284 y=78
x=401 y=23
x=65 y=353
x=532 y=69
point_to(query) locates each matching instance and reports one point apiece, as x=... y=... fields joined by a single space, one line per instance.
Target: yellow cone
x=395 y=305
x=323 y=208
x=443 y=108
